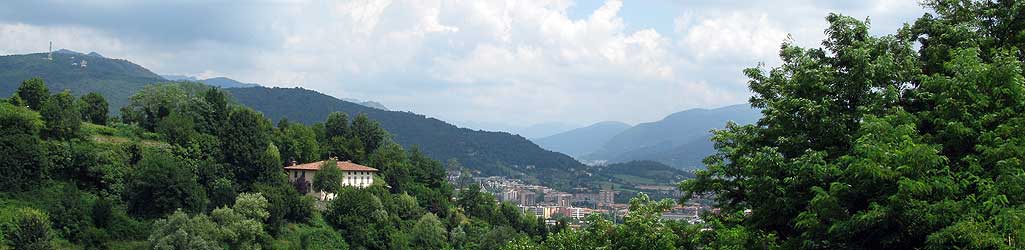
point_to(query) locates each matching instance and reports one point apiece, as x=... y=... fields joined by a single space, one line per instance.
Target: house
x=354 y=175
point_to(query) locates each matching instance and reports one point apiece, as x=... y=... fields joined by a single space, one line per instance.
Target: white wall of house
x=359 y=179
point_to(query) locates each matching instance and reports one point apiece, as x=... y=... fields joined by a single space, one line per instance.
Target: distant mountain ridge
x=224 y=82
x=491 y=153
x=221 y=82
x=680 y=140
x=532 y=131
x=371 y=104
x=581 y=141
x=116 y=79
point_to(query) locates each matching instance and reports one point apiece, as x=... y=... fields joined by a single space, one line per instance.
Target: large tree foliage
x=237 y=227
x=33 y=92
x=31 y=231
x=162 y=185
x=60 y=115
x=369 y=132
x=329 y=178
x=94 y=108
x=153 y=103
x=179 y=231
x=429 y=233
x=98 y=182
x=867 y=144
x=297 y=143
x=360 y=217
x=245 y=145
x=21 y=150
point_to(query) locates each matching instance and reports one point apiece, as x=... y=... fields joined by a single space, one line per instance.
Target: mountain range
x=581 y=141
x=538 y=130
x=114 y=78
x=490 y=153
x=225 y=83
x=680 y=140
x=221 y=82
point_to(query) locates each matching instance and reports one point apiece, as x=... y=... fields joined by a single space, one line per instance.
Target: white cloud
x=732 y=35
x=19 y=38
x=481 y=60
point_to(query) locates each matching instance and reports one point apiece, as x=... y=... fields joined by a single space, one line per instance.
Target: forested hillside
x=914 y=140
x=185 y=168
x=905 y=141
x=680 y=140
x=492 y=153
x=115 y=79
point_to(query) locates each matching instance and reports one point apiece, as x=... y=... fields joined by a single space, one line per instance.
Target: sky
x=464 y=61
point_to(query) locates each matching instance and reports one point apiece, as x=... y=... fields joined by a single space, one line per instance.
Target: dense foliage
x=490 y=153
x=906 y=141
x=94 y=108
x=21 y=149
x=867 y=143
x=115 y=79
x=185 y=168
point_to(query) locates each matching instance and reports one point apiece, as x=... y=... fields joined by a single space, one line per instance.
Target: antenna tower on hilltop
x=49 y=56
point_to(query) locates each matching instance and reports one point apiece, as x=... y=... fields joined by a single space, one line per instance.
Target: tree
x=94 y=108
x=33 y=92
x=241 y=226
x=866 y=144
x=162 y=185
x=32 y=232
x=21 y=150
x=69 y=215
x=286 y=204
x=369 y=133
x=245 y=145
x=180 y=232
x=405 y=207
x=429 y=171
x=336 y=132
x=177 y=129
x=61 y=117
x=643 y=228
x=429 y=233
x=476 y=203
x=102 y=213
x=17 y=101
x=360 y=217
x=394 y=167
x=323 y=238
x=500 y=236
x=297 y=143
x=328 y=178
x=222 y=192
x=337 y=125
x=154 y=102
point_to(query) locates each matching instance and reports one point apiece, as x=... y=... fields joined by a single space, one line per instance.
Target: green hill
x=115 y=79
x=644 y=173
x=491 y=153
x=680 y=140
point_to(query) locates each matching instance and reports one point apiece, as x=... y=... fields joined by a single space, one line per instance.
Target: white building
x=354 y=175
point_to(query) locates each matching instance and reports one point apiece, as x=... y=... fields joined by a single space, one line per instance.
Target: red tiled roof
x=343 y=165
